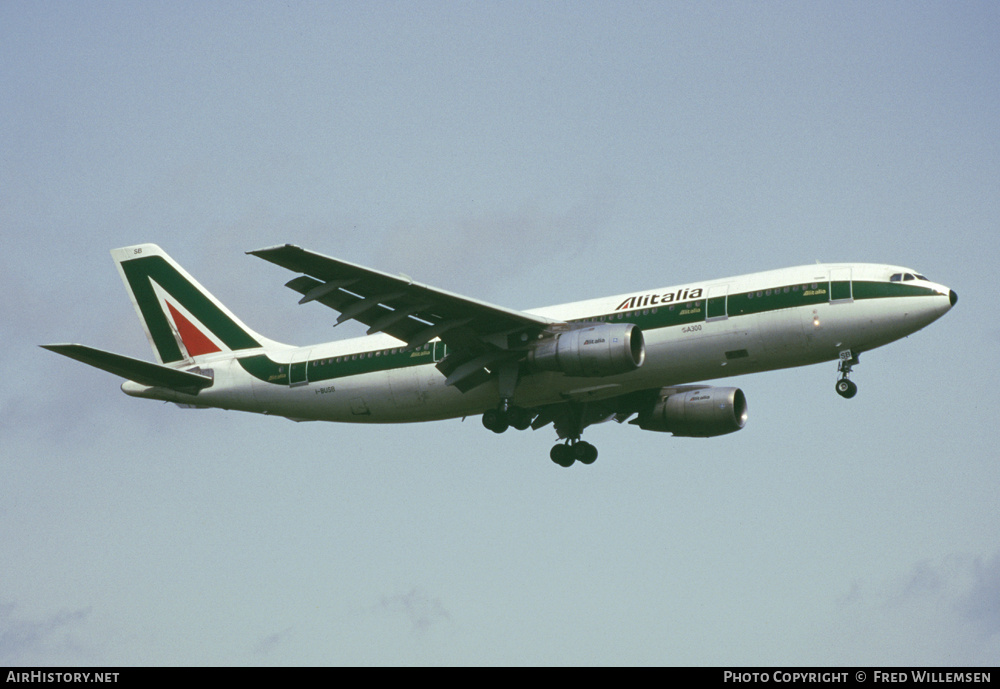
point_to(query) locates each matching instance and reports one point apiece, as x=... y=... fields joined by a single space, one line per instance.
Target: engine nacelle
x=696 y=413
x=604 y=349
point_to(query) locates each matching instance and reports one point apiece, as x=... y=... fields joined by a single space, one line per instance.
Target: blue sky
x=524 y=154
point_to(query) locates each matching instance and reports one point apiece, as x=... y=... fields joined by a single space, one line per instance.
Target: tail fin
x=182 y=320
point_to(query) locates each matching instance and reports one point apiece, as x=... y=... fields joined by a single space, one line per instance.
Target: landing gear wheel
x=846 y=389
x=495 y=421
x=520 y=418
x=562 y=455
x=585 y=453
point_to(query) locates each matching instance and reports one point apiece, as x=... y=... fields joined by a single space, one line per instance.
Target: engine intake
x=701 y=412
x=605 y=349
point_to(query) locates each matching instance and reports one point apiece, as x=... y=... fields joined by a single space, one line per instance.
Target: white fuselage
x=696 y=332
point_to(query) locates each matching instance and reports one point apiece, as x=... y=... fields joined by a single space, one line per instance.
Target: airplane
x=430 y=354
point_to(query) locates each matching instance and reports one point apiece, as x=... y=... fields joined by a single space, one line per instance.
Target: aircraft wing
x=480 y=335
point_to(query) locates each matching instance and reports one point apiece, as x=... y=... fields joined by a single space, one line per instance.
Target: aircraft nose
x=952 y=297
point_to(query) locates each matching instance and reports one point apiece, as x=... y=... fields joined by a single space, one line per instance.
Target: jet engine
x=603 y=349
x=698 y=412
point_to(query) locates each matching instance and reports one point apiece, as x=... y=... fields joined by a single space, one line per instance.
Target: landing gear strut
x=845 y=387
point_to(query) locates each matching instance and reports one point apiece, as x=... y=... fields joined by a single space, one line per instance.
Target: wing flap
x=142 y=372
x=339 y=300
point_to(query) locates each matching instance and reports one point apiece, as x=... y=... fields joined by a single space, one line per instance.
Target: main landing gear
x=569 y=427
x=503 y=417
x=506 y=414
x=845 y=387
x=573 y=451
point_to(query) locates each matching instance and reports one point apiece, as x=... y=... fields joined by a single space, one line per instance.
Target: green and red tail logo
x=182 y=320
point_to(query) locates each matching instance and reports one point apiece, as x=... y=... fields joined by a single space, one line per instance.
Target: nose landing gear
x=845 y=387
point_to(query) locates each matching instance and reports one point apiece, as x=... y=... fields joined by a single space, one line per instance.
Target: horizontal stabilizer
x=142 y=372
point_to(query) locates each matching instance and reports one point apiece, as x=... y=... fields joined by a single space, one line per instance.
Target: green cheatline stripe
x=652 y=318
x=140 y=271
x=881 y=290
x=264 y=368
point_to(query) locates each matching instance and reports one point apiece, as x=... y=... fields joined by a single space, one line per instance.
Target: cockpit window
x=900 y=277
